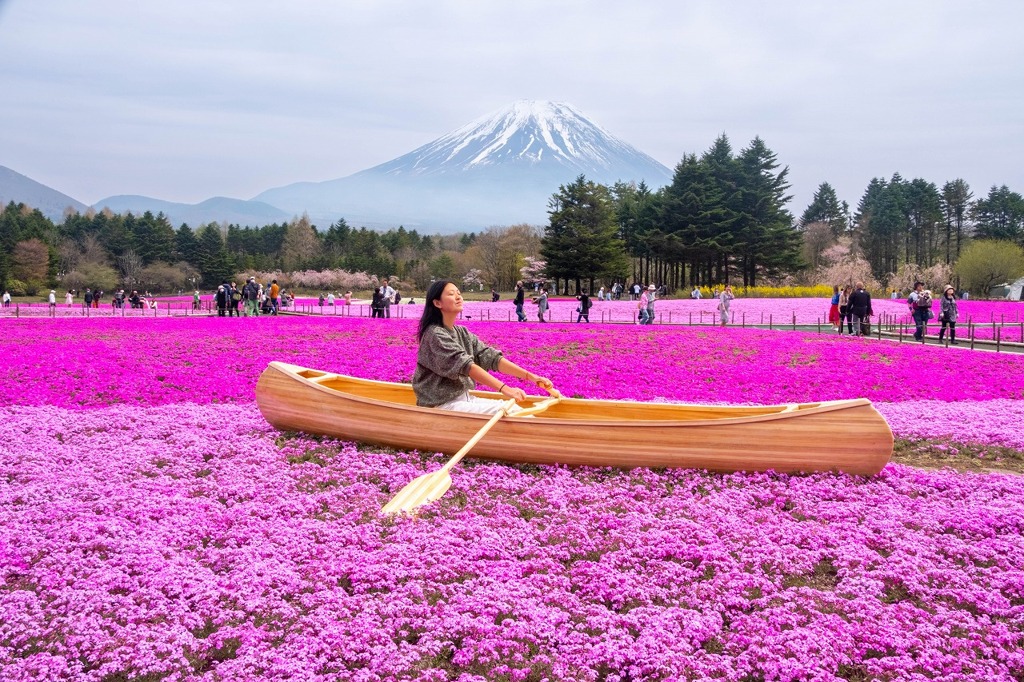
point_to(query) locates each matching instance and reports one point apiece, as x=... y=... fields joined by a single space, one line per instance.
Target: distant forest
x=722 y=219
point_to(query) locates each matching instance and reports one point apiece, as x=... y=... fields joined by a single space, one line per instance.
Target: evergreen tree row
x=722 y=219
x=214 y=252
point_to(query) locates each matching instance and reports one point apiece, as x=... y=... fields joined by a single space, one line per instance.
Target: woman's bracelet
x=501 y=388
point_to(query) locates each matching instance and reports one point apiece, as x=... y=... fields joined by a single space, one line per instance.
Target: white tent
x=1016 y=292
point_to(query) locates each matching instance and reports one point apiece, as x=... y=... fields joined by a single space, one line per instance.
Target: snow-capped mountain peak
x=529 y=133
x=501 y=169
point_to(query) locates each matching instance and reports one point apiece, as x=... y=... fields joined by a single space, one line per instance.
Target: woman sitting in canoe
x=451 y=359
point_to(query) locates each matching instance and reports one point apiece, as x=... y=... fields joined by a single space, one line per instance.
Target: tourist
x=53 y=298
x=494 y=295
x=600 y=294
x=274 y=295
x=330 y=299
x=948 y=313
x=389 y=296
x=88 y=297
x=348 y=298
x=724 y=303
x=541 y=301
x=377 y=303
x=221 y=299
x=69 y=300
x=860 y=310
x=833 y=310
x=322 y=299
x=583 y=309
x=519 y=300
x=196 y=301
x=695 y=294
x=451 y=360
x=7 y=299
x=920 y=309
x=651 y=289
x=844 y=309
x=641 y=307
x=234 y=300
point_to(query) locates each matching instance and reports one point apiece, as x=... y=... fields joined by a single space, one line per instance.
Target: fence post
x=794 y=321
x=770 y=316
x=998 y=336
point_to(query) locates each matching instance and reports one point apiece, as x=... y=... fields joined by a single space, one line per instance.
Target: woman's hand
x=516 y=394
x=542 y=382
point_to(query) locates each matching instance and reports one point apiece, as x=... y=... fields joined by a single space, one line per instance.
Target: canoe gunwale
x=782 y=411
x=844 y=435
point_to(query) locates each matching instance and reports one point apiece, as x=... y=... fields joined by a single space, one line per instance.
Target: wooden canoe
x=840 y=435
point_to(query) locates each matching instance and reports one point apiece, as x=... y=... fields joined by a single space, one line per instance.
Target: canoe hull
x=847 y=436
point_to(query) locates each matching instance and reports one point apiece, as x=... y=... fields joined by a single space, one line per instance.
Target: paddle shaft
x=429 y=487
x=505 y=407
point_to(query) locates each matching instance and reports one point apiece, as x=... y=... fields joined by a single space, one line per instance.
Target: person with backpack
x=583 y=309
x=920 y=309
x=948 y=313
x=860 y=310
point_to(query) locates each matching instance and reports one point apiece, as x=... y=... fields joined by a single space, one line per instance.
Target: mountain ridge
x=22 y=189
x=500 y=169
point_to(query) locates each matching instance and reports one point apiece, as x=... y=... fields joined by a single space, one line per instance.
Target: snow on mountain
x=531 y=135
x=498 y=170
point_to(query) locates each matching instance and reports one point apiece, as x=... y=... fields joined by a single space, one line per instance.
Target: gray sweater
x=442 y=364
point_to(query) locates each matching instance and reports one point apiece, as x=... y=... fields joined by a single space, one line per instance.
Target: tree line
x=722 y=219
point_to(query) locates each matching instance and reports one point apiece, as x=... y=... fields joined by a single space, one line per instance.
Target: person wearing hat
x=251 y=298
x=53 y=298
x=651 y=290
x=948 y=313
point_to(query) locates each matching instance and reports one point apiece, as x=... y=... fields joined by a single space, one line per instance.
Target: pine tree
x=1000 y=215
x=825 y=207
x=956 y=199
x=581 y=241
x=765 y=237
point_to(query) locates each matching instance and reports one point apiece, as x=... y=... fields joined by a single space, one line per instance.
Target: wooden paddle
x=430 y=487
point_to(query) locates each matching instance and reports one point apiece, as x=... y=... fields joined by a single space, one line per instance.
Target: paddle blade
x=422 y=489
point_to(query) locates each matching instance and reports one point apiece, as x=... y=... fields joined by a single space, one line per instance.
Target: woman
x=844 y=308
x=451 y=360
x=583 y=309
x=724 y=301
x=641 y=306
x=833 y=311
x=69 y=299
x=541 y=301
x=377 y=302
x=948 y=313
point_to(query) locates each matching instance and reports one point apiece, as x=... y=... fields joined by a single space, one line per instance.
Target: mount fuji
x=498 y=170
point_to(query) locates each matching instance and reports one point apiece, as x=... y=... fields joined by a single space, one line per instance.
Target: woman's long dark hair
x=431 y=313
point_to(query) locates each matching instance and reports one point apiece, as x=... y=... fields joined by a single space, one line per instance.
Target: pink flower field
x=154 y=527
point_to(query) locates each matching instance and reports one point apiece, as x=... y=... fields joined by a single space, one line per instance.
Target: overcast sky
x=190 y=99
